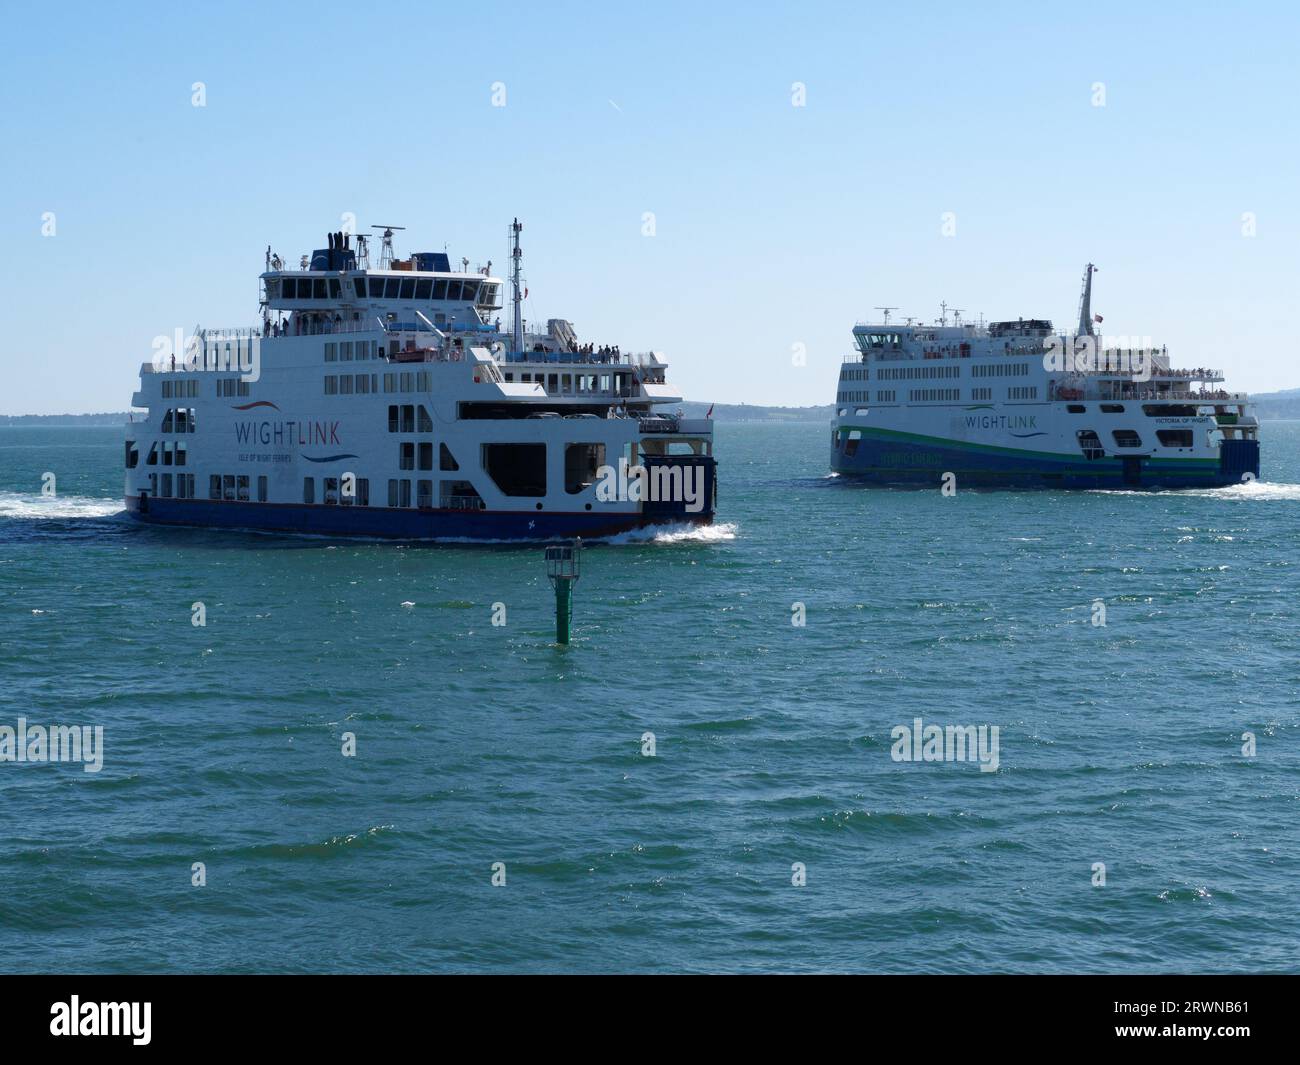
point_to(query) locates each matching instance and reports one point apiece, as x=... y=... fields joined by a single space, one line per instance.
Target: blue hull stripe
x=908 y=461
x=396 y=523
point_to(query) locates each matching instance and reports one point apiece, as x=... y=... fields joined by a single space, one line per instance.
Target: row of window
x=179 y=420
x=180 y=389
x=234 y=487
x=1004 y=369
x=409 y=418
x=166 y=453
x=172 y=486
x=399 y=493
x=360 y=384
x=917 y=373
x=936 y=395
x=363 y=384
x=575 y=384
x=458 y=290
x=347 y=350
x=335 y=492
x=1090 y=443
x=228 y=387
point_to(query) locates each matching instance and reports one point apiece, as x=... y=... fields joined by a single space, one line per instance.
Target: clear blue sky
x=776 y=225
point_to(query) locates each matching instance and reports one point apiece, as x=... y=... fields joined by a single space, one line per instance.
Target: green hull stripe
x=940 y=441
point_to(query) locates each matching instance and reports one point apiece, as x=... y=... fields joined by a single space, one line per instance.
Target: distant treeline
x=118 y=418
x=745 y=412
x=1276 y=406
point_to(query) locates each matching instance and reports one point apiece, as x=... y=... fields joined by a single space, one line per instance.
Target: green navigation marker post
x=562 y=569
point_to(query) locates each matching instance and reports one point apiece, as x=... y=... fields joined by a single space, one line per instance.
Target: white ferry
x=1015 y=404
x=390 y=402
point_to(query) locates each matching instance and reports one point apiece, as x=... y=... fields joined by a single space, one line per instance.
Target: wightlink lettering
x=1002 y=421
x=304 y=434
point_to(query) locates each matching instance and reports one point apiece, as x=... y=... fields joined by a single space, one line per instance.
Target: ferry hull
x=893 y=461
x=400 y=523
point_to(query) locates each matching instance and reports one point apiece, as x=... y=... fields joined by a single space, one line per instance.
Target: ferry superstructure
x=1016 y=404
x=391 y=402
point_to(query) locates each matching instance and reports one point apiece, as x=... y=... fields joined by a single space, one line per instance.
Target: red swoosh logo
x=259 y=403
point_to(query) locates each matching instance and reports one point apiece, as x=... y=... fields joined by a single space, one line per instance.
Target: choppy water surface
x=476 y=744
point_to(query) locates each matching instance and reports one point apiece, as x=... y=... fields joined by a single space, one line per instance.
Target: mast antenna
x=516 y=259
x=386 y=252
x=886 y=310
x=1085 y=303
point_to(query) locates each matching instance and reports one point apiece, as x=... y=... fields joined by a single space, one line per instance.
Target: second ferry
x=1017 y=404
x=388 y=400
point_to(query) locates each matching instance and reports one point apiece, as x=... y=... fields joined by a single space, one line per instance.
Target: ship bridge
x=337 y=285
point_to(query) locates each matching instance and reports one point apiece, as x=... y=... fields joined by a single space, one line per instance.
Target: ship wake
x=37 y=507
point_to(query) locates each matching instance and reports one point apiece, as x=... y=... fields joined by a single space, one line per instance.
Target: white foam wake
x=685 y=533
x=37 y=506
x=1249 y=490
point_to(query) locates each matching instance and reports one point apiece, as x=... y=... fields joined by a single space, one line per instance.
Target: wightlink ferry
x=388 y=400
x=1017 y=404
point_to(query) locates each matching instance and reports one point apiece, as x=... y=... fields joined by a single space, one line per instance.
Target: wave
x=1249 y=491
x=685 y=533
x=56 y=507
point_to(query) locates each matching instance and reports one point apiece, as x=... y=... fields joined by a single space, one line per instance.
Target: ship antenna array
x=956 y=316
x=886 y=310
x=386 y=253
x=517 y=259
